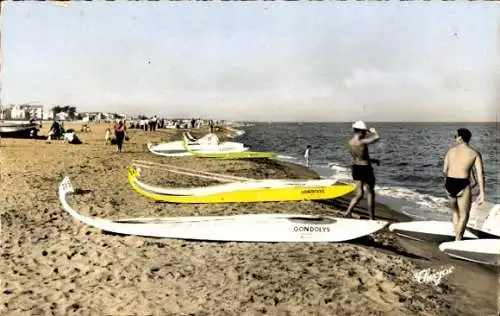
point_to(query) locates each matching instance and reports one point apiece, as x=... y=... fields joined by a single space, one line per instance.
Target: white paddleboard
x=434 y=231
x=485 y=217
x=245 y=228
x=485 y=251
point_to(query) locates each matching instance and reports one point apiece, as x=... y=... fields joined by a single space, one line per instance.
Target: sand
x=55 y=265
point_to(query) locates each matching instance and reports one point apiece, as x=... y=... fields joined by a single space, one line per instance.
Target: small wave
x=236 y=132
x=412 y=178
x=337 y=168
x=404 y=200
x=425 y=201
x=285 y=157
x=427 y=165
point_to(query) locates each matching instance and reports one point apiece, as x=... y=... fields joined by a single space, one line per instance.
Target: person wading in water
x=458 y=165
x=362 y=170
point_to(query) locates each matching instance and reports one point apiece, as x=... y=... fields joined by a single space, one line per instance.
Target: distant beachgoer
x=85 y=127
x=71 y=138
x=307 y=154
x=54 y=131
x=119 y=135
x=107 y=137
x=152 y=124
x=362 y=170
x=211 y=125
x=458 y=170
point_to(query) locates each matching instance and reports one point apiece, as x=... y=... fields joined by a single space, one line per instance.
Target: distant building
x=100 y=116
x=5 y=113
x=22 y=112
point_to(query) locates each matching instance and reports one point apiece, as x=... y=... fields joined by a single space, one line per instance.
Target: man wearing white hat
x=362 y=170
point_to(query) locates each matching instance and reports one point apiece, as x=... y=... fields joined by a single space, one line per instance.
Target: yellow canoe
x=248 y=192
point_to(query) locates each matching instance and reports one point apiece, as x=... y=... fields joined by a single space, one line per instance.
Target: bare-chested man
x=457 y=169
x=362 y=170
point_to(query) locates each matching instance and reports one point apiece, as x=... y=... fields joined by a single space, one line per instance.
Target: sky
x=260 y=61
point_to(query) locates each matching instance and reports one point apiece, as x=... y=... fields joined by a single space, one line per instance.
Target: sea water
x=409 y=178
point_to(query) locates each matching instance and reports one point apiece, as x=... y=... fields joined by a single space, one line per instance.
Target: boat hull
x=430 y=231
x=239 y=228
x=484 y=251
x=18 y=129
x=485 y=218
x=248 y=195
x=176 y=148
x=226 y=154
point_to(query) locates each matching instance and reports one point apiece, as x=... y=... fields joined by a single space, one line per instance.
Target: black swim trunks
x=455 y=185
x=363 y=173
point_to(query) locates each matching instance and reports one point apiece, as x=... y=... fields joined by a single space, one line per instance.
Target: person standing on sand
x=107 y=137
x=458 y=165
x=362 y=170
x=119 y=135
x=211 y=126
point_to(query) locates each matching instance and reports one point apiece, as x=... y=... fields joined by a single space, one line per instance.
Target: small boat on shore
x=20 y=129
x=239 y=228
x=430 y=231
x=224 y=154
x=209 y=142
x=251 y=191
x=485 y=218
x=484 y=251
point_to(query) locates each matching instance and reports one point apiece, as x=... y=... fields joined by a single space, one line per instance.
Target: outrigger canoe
x=241 y=228
x=243 y=192
x=485 y=218
x=225 y=154
x=209 y=142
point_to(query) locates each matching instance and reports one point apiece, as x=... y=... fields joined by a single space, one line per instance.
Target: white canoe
x=434 y=231
x=11 y=127
x=485 y=251
x=485 y=218
x=208 y=143
x=242 y=228
x=234 y=186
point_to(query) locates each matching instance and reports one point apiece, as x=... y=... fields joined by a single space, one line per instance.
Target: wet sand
x=55 y=265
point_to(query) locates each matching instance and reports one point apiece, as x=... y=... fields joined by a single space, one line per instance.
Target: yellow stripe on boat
x=249 y=195
x=228 y=155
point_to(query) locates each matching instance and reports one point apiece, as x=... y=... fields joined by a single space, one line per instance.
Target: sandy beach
x=55 y=265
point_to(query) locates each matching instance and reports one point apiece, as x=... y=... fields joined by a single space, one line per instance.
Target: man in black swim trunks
x=362 y=170
x=458 y=169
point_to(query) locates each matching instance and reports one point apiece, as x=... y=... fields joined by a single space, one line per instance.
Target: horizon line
x=349 y=122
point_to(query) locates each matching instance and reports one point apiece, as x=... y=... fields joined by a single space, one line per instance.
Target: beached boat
x=485 y=218
x=484 y=251
x=19 y=128
x=430 y=231
x=240 y=228
x=244 y=191
x=209 y=142
x=223 y=154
